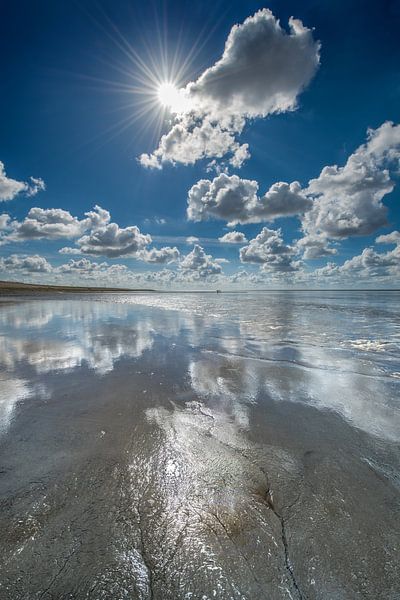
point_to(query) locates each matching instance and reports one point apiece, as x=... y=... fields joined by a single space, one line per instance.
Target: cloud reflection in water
x=243 y=349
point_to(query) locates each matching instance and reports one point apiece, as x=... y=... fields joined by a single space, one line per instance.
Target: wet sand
x=153 y=453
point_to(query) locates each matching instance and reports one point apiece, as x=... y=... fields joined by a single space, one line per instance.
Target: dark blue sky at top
x=59 y=122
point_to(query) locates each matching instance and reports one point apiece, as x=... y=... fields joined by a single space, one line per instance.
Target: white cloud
x=165 y=255
x=236 y=200
x=348 y=199
x=99 y=237
x=5 y=228
x=85 y=268
x=192 y=139
x=283 y=200
x=389 y=238
x=269 y=250
x=367 y=264
x=199 y=265
x=225 y=197
x=239 y=156
x=82 y=266
x=233 y=237
x=69 y=250
x=112 y=241
x=329 y=270
x=262 y=71
x=53 y=224
x=79 y=271
x=76 y=269
x=155 y=220
x=4 y=221
x=192 y=239
x=35 y=186
x=10 y=188
x=98 y=217
x=371 y=263
x=245 y=278
x=314 y=246
x=165 y=277
x=342 y=202
x=26 y=263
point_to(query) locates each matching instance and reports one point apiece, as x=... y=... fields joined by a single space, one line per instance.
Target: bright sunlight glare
x=171 y=97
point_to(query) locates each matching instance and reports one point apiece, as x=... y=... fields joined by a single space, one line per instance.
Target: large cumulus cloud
x=262 y=71
x=236 y=200
x=269 y=250
x=199 y=265
x=348 y=199
x=113 y=241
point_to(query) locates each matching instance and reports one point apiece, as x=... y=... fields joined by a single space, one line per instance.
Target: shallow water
x=199 y=446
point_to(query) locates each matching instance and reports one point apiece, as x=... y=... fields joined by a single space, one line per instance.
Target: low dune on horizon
x=18 y=286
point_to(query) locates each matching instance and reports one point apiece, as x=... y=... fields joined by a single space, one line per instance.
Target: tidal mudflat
x=184 y=447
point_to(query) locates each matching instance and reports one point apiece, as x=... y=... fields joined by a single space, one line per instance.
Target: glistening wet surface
x=200 y=446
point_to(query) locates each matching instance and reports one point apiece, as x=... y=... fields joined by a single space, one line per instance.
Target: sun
x=171 y=97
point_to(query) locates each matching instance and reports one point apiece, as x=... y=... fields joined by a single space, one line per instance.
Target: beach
x=200 y=446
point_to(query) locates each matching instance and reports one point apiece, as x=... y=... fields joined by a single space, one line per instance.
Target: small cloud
x=69 y=250
x=192 y=239
x=389 y=238
x=36 y=185
x=233 y=237
x=10 y=188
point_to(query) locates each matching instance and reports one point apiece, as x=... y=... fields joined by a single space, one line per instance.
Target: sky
x=200 y=145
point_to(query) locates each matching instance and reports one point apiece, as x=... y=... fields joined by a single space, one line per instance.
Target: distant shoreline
x=17 y=287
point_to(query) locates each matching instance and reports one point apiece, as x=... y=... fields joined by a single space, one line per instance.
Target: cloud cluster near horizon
x=276 y=260
x=96 y=234
x=341 y=202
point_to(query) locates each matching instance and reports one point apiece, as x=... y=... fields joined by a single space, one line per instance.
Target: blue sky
x=265 y=134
